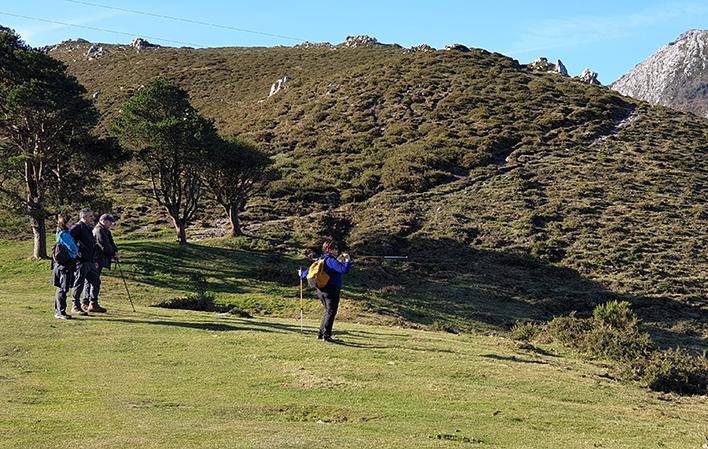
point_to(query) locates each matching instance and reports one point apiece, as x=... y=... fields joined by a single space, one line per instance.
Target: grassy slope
x=162 y=378
x=583 y=210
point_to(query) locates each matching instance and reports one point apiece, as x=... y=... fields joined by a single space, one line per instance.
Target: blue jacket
x=334 y=268
x=64 y=238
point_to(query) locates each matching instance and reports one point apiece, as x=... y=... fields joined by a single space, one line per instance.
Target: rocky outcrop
x=140 y=44
x=457 y=47
x=421 y=47
x=308 y=44
x=588 y=77
x=279 y=85
x=95 y=51
x=675 y=76
x=360 y=41
x=542 y=65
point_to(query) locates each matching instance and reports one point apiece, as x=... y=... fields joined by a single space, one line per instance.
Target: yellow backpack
x=316 y=275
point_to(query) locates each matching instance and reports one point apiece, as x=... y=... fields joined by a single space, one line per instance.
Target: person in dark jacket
x=106 y=250
x=86 y=273
x=329 y=295
x=63 y=273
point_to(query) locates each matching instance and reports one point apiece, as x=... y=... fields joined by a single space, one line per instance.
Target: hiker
x=64 y=257
x=106 y=251
x=86 y=275
x=329 y=294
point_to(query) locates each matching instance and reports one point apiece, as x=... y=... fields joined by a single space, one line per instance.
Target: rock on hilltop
x=675 y=76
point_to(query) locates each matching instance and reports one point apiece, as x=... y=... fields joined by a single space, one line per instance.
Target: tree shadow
x=193 y=267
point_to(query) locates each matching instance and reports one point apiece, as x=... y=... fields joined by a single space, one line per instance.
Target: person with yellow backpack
x=325 y=274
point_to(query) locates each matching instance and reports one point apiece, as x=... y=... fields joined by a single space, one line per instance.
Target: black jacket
x=105 y=247
x=81 y=232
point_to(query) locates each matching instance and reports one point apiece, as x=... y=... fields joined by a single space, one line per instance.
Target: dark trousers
x=91 y=290
x=329 y=297
x=64 y=279
x=86 y=273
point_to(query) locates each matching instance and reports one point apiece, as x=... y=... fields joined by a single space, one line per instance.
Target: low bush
x=525 y=331
x=621 y=345
x=568 y=330
x=613 y=332
x=203 y=301
x=616 y=315
x=674 y=370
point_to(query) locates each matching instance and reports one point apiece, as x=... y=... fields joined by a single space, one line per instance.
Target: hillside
x=163 y=378
x=502 y=184
x=676 y=75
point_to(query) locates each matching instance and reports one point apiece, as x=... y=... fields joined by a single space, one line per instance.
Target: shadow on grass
x=513 y=358
x=443 y=283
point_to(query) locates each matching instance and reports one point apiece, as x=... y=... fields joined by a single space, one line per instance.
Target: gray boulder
x=140 y=44
x=588 y=77
x=360 y=41
x=457 y=47
x=308 y=44
x=279 y=85
x=95 y=51
x=422 y=47
x=560 y=68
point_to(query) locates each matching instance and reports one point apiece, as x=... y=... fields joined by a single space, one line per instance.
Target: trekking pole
x=384 y=257
x=120 y=269
x=301 y=303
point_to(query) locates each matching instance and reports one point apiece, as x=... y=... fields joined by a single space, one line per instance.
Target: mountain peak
x=675 y=76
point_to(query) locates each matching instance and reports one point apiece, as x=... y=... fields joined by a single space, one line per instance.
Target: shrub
x=622 y=345
x=525 y=331
x=674 y=370
x=203 y=301
x=419 y=166
x=616 y=315
x=568 y=330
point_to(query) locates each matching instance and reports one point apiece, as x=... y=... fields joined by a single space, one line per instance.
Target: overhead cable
x=105 y=30
x=182 y=19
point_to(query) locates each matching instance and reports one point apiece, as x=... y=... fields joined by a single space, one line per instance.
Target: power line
x=181 y=19
x=105 y=30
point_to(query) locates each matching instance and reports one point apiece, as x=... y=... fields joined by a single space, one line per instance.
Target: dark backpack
x=60 y=254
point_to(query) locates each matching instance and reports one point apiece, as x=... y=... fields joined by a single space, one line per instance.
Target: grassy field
x=169 y=378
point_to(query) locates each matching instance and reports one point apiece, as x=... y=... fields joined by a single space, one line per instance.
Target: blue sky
x=609 y=37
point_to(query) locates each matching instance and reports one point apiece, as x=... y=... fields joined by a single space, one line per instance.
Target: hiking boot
x=77 y=310
x=62 y=316
x=94 y=307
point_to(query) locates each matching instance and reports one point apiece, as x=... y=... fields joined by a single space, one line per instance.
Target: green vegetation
x=459 y=160
x=47 y=152
x=166 y=378
x=613 y=333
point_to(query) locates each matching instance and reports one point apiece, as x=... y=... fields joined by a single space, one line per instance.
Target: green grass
x=169 y=378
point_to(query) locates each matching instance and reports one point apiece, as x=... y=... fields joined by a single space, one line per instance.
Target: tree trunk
x=181 y=229
x=232 y=213
x=39 y=230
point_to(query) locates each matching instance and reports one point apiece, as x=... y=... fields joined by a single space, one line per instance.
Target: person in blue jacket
x=63 y=274
x=329 y=295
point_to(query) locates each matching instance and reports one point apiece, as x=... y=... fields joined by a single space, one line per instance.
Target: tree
x=235 y=171
x=45 y=129
x=170 y=140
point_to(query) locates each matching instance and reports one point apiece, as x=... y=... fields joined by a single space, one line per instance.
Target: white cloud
x=555 y=33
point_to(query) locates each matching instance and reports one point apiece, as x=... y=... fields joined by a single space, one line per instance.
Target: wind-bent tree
x=170 y=140
x=235 y=171
x=45 y=126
